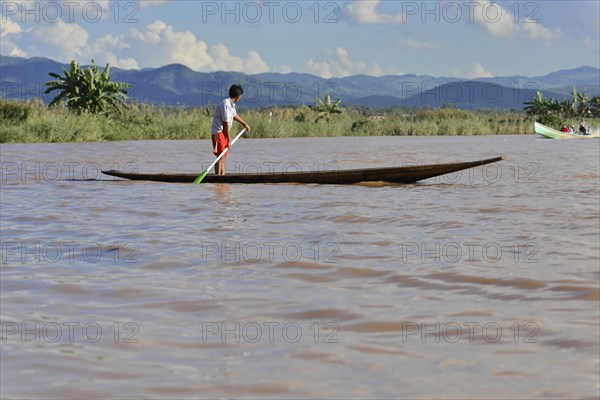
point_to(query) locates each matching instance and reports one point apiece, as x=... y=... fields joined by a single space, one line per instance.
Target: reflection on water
x=482 y=284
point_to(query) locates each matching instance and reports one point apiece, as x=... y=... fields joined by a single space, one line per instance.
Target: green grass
x=32 y=122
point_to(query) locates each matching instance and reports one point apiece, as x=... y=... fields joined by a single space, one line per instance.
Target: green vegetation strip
x=33 y=122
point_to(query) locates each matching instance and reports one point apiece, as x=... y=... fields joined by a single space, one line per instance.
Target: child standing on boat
x=225 y=114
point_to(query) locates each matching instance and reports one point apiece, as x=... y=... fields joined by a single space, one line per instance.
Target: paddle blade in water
x=201 y=177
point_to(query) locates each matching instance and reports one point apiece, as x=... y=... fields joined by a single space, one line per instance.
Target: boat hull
x=406 y=174
x=554 y=134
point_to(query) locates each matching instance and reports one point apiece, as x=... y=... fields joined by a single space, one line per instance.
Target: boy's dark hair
x=235 y=91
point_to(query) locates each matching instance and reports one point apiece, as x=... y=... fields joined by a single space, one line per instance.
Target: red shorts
x=220 y=142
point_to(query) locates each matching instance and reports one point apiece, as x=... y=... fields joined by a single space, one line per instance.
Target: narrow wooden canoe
x=406 y=174
x=548 y=132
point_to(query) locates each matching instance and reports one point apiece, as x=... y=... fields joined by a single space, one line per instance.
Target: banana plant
x=538 y=107
x=545 y=111
x=595 y=107
x=581 y=104
x=326 y=108
x=87 y=90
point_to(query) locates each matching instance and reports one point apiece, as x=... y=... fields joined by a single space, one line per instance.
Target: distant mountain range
x=175 y=84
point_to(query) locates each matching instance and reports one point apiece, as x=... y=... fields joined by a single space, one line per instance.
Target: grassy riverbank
x=32 y=122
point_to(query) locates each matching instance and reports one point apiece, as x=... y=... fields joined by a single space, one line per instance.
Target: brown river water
x=480 y=284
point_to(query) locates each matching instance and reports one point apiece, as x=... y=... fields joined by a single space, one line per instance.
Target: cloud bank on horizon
x=469 y=39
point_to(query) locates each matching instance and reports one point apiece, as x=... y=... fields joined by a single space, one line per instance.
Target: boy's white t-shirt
x=223 y=113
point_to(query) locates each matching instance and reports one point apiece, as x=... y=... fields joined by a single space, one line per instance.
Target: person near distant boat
x=583 y=130
x=570 y=129
x=223 y=118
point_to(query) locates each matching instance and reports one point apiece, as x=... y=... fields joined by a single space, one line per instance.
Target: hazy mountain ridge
x=173 y=84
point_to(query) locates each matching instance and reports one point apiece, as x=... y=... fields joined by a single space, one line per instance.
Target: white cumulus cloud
x=537 y=32
x=10 y=28
x=66 y=40
x=494 y=19
x=222 y=60
x=105 y=49
x=124 y=63
x=159 y=44
x=479 y=71
x=366 y=12
x=500 y=23
x=340 y=64
x=283 y=69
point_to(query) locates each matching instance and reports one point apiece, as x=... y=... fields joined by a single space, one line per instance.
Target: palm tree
x=88 y=90
x=326 y=108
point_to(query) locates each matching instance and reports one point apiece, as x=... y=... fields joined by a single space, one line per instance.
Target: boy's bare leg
x=220 y=167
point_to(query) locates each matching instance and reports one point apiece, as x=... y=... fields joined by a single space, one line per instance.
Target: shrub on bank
x=14 y=112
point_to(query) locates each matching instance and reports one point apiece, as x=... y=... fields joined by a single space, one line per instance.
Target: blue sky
x=467 y=39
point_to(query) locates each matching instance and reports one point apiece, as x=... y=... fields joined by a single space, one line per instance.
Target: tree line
x=90 y=90
x=552 y=112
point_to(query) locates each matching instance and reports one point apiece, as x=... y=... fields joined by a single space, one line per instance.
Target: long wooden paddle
x=203 y=175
